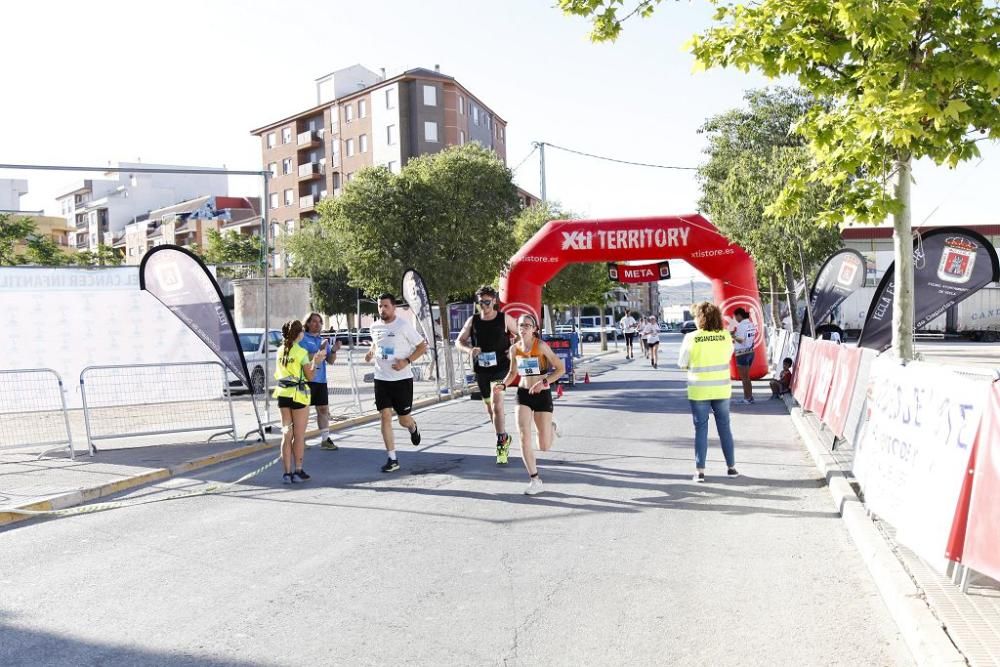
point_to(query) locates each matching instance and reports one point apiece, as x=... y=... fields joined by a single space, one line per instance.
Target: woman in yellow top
x=705 y=353
x=294 y=372
x=538 y=366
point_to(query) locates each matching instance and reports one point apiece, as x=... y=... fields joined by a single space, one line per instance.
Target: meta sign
x=643 y=273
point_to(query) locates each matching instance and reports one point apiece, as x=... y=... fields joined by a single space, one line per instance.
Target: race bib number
x=386 y=351
x=487 y=359
x=528 y=366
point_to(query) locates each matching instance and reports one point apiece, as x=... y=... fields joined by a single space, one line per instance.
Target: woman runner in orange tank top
x=538 y=366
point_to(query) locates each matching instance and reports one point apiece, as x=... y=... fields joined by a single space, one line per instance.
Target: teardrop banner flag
x=841 y=275
x=181 y=282
x=950 y=264
x=415 y=294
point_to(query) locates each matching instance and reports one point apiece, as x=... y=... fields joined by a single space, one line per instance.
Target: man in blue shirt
x=319 y=393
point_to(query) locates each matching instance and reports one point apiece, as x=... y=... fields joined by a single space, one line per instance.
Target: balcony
x=307 y=203
x=82 y=242
x=310 y=170
x=309 y=139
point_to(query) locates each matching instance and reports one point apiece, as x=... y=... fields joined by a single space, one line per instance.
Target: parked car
x=665 y=327
x=347 y=337
x=688 y=326
x=253 y=343
x=591 y=334
x=563 y=329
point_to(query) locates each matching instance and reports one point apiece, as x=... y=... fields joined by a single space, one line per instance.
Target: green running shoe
x=503 y=449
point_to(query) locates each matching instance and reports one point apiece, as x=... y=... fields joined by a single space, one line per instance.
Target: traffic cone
x=559 y=390
x=586 y=378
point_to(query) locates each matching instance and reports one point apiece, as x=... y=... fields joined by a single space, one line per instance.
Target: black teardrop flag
x=841 y=275
x=950 y=264
x=182 y=283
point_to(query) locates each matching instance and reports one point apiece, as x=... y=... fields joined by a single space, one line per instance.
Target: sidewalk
x=56 y=482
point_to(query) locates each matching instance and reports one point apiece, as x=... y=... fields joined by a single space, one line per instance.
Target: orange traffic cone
x=586 y=378
x=559 y=390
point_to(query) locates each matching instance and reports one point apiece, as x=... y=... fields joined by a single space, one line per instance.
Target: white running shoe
x=534 y=487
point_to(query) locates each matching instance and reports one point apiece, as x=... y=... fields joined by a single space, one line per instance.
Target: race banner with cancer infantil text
x=949 y=265
x=182 y=283
x=912 y=457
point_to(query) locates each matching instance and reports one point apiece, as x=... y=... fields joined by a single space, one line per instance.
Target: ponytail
x=290 y=331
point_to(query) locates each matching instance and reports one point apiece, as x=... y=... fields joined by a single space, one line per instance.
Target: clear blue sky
x=185 y=82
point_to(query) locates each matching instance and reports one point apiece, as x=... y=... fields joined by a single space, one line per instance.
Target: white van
x=590 y=328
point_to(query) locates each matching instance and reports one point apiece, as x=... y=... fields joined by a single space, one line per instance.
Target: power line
x=521 y=163
x=628 y=162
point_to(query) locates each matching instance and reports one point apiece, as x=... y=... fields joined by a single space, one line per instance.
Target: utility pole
x=541 y=167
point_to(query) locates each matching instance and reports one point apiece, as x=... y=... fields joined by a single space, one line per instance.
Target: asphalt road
x=623 y=561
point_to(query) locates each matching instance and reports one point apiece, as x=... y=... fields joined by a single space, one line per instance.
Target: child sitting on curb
x=783 y=383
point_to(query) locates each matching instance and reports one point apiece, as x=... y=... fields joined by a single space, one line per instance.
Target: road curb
x=923 y=633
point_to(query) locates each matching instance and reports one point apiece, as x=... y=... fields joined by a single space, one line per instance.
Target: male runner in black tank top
x=486 y=337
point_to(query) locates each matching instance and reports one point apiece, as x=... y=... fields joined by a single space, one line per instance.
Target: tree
x=103 y=255
x=449 y=215
x=13 y=232
x=230 y=248
x=905 y=79
x=575 y=285
x=752 y=153
x=43 y=251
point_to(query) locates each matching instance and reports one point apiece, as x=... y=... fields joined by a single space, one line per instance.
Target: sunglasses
x=485 y=303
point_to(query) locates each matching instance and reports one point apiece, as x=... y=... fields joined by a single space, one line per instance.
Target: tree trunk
x=773 y=297
x=793 y=312
x=902 y=245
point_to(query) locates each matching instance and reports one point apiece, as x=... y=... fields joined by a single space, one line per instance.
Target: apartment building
x=52 y=227
x=98 y=209
x=362 y=119
x=188 y=223
x=11 y=191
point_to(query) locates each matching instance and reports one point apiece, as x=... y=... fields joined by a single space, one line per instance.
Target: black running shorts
x=319 y=393
x=540 y=402
x=287 y=402
x=395 y=394
x=486 y=380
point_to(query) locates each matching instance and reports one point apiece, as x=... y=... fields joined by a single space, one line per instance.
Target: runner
x=629 y=327
x=651 y=334
x=395 y=346
x=293 y=373
x=537 y=365
x=745 y=335
x=319 y=393
x=486 y=337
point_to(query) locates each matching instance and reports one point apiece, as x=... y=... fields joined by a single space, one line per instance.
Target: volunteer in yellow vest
x=705 y=353
x=294 y=372
x=538 y=366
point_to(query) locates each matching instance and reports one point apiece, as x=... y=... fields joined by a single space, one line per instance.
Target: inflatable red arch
x=689 y=237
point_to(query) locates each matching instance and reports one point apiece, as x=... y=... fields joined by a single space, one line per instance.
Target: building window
x=348 y=112
x=461 y=137
x=336 y=180
x=286 y=165
x=393 y=166
x=273 y=203
x=430 y=131
x=363 y=143
x=390 y=98
x=475 y=115
x=390 y=135
x=461 y=104
x=286 y=135
x=349 y=177
x=430 y=96
x=272 y=138
x=349 y=147
x=289 y=197
x=289 y=226
x=362 y=108
x=273 y=168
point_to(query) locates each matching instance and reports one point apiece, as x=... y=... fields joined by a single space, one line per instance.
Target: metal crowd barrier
x=155 y=399
x=33 y=411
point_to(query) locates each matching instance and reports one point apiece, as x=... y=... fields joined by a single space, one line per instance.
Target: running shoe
x=287 y=478
x=329 y=445
x=415 y=435
x=732 y=472
x=391 y=465
x=534 y=487
x=302 y=475
x=698 y=477
x=503 y=450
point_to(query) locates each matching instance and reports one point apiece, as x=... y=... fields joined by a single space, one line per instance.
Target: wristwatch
x=545 y=382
